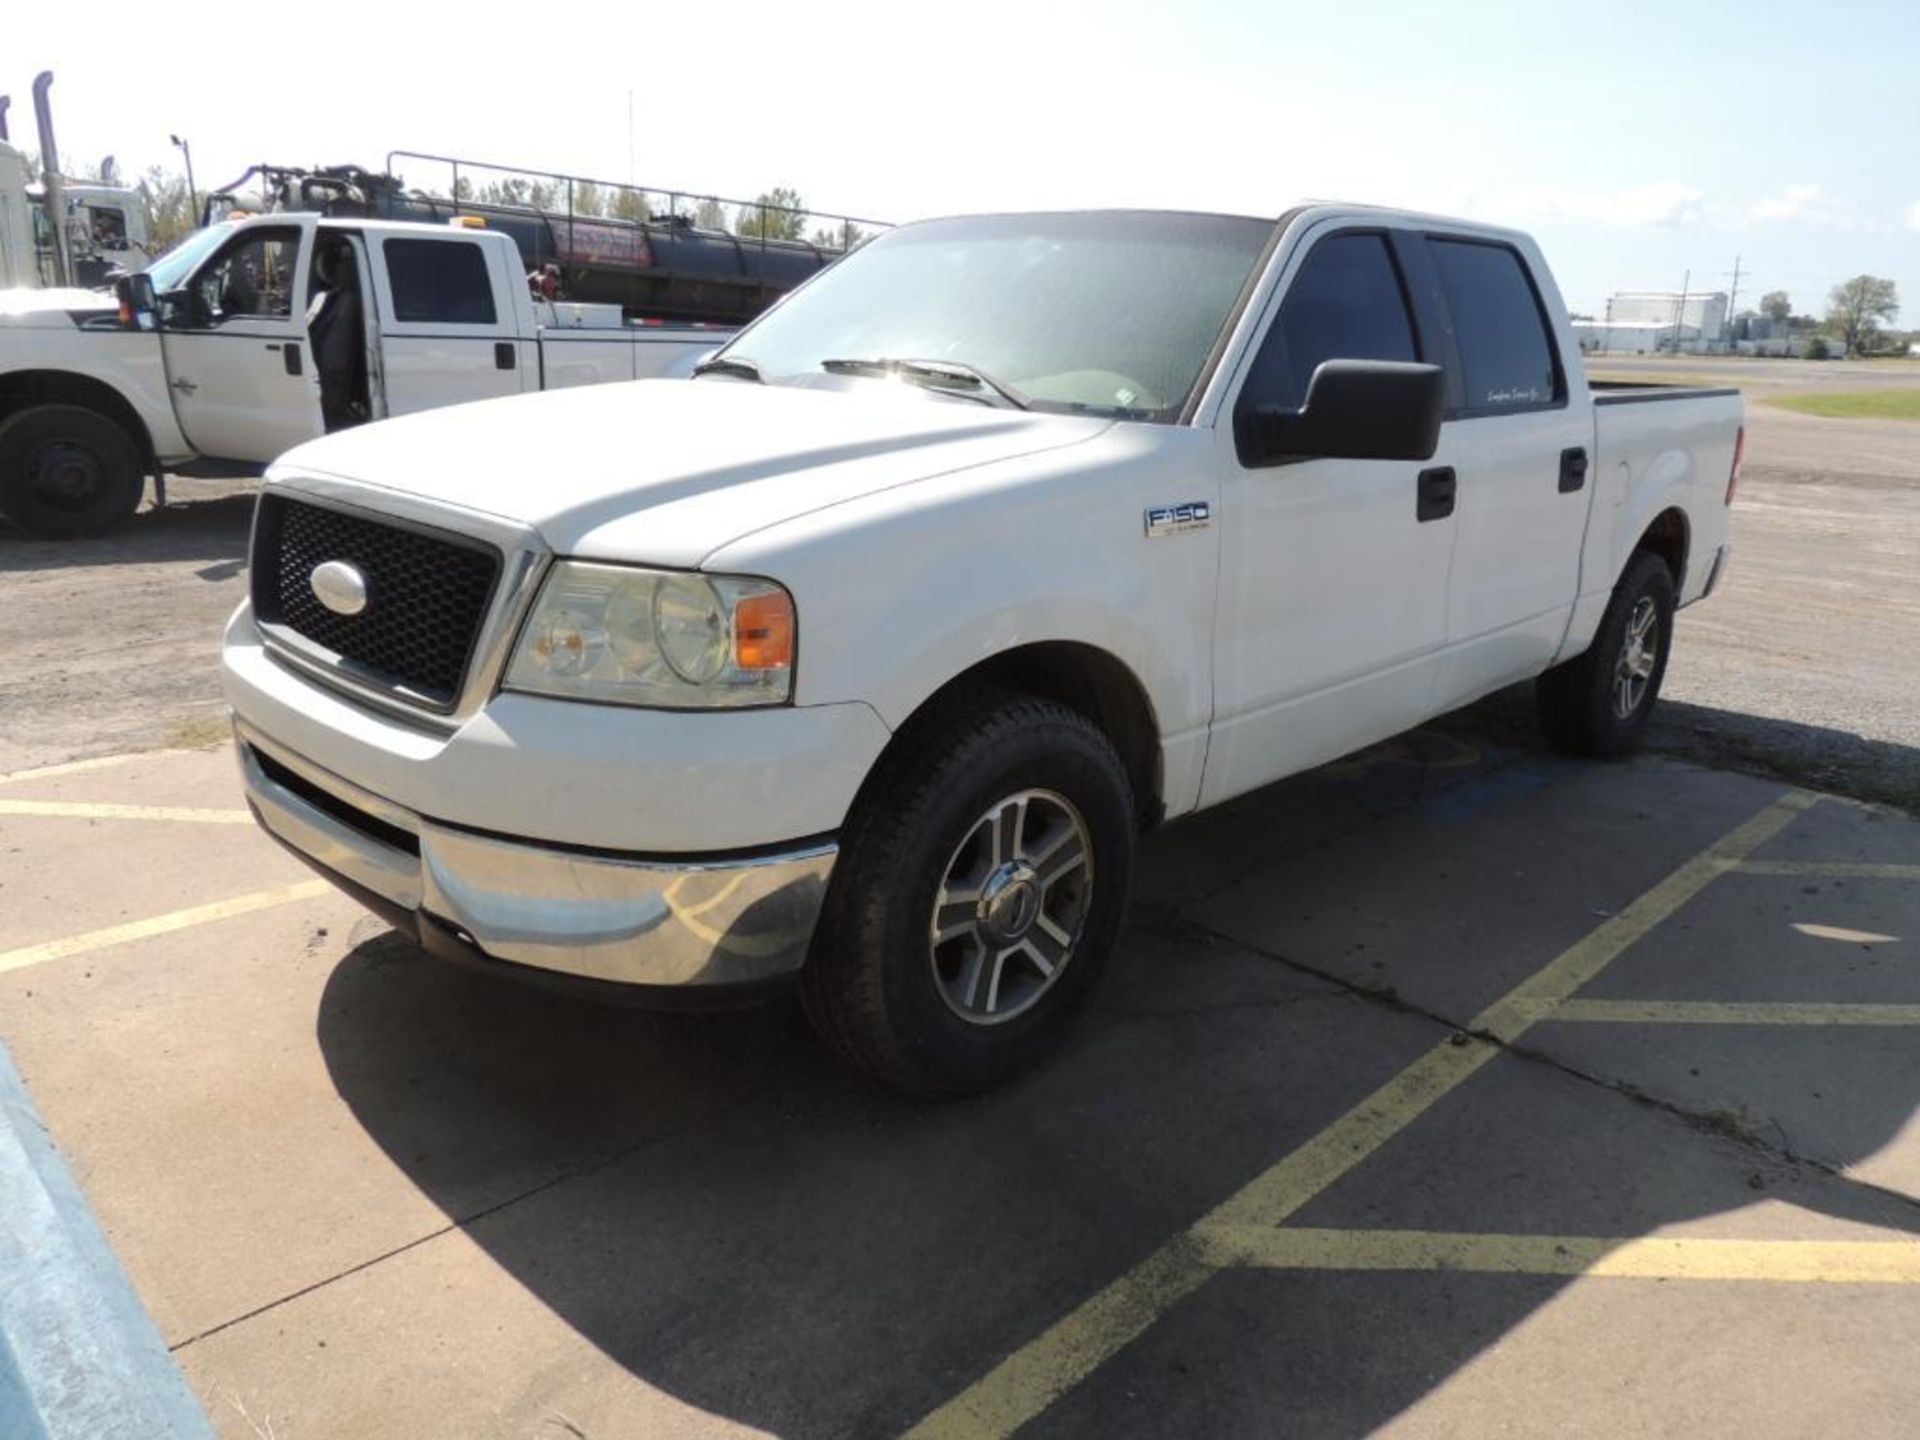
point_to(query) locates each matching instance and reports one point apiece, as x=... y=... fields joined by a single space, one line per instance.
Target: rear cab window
x=1346 y=302
x=1507 y=358
x=438 y=282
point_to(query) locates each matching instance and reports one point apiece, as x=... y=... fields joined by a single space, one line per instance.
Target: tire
x=931 y=1018
x=67 y=472
x=1598 y=703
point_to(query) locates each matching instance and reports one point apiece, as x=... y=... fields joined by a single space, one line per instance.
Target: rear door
x=1333 y=573
x=447 y=331
x=235 y=343
x=1519 y=444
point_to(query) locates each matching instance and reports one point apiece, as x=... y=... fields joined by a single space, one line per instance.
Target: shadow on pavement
x=730 y=1215
x=213 y=528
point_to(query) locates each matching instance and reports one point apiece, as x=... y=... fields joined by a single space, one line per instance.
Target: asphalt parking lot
x=1454 y=1088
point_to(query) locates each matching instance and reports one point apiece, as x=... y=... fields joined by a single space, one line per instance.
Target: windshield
x=1106 y=310
x=170 y=271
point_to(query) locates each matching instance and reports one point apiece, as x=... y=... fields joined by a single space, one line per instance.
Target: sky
x=1641 y=142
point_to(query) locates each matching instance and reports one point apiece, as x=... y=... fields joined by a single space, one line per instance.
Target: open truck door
x=235 y=339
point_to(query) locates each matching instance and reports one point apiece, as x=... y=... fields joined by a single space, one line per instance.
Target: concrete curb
x=79 y=1357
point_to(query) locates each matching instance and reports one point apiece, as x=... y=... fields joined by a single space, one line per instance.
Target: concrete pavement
x=1450 y=1089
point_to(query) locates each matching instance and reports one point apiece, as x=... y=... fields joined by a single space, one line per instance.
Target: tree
x=586 y=198
x=1856 y=308
x=1776 y=306
x=627 y=203
x=710 y=214
x=844 y=236
x=170 y=217
x=778 y=214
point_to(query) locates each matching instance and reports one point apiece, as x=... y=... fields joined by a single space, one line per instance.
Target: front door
x=444 y=337
x=1333 y=580
x=244 y=387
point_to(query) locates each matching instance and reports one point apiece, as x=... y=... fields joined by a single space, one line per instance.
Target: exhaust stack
x=5 y=102
x=56 y=201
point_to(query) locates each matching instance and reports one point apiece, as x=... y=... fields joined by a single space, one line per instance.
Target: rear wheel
x=982 y=881
x=67 y=472
x=1598 y=703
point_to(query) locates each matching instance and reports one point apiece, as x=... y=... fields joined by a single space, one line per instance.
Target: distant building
x=1705 y=311
x=1634 y=337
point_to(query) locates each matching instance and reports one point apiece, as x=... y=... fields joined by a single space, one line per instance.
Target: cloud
x=1806 y=205
x=1664 y=203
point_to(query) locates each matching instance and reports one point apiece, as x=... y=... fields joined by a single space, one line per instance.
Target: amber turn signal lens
x=763 y=632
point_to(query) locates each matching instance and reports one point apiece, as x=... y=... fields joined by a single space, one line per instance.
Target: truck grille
x=427 y=594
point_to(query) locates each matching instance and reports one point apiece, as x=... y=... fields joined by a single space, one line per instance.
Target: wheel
x=981 y=884
x=67 y=472
x=1597 y=703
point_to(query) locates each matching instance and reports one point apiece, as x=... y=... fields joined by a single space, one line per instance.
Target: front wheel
x=1598 y=703
x=67 y=472
x=982 y=881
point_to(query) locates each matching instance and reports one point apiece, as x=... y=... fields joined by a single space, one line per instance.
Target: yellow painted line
x=1794 y=1262
x=1026 y=1382
x=159 y=925
x=1837 y=869
x=1718 y=1012
x=72 y=767
x=1586 y=958
x=78 y=810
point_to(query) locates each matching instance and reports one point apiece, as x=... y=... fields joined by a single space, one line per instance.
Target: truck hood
x=53 y=309
x=666 y=472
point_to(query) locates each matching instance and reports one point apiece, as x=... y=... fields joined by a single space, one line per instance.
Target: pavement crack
x=1721 y=1124
x=461 y=1222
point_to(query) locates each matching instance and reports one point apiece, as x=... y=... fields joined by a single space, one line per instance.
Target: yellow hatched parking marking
x=1718 y=1012
x=11 y=960
x=1024 y=1384
x=77 y=810
x=1797 y=1262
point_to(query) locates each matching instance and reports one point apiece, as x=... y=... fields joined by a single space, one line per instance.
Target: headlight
x=648 y=637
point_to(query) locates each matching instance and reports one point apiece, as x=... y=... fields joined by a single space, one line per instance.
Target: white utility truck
x=998 y=542
x=258 y=333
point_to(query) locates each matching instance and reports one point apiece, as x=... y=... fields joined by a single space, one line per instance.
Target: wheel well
x=1087 y=679
x=1667 y=537
x=24 y=388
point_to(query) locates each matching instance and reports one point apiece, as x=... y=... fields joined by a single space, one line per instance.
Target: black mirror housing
x=137 y=303
x=1355 y=410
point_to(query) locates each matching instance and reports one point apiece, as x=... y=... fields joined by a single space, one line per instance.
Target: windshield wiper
x=730 y=365
x=953 y=377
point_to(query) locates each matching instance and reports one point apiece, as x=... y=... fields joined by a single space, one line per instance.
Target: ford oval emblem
x=340 y=587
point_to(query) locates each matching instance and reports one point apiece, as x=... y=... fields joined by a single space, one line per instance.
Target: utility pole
x=1680 y=309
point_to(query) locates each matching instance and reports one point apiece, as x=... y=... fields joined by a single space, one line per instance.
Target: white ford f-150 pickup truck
x=996 y=543
x=259 y=333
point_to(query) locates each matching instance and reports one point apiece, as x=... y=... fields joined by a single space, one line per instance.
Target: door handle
x=506 y=355
x=1573 y=470
x=184 y=385
x=1435 y=493
x=290 y=356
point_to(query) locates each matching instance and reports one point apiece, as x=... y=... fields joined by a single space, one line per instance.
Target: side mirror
x=1355 y=410
x=137 y=303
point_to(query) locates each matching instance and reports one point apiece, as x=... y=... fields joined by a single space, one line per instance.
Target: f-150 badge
x=1178 y=519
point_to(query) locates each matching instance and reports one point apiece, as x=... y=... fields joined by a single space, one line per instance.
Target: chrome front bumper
x=706 y=922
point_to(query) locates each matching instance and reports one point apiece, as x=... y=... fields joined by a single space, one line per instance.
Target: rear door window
x=1506 y=351
x=1345 y=303
x=441 y=282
